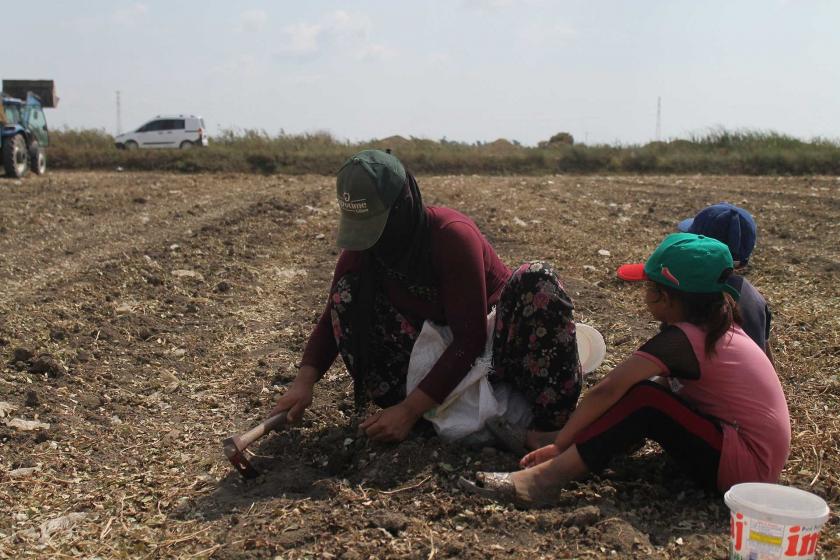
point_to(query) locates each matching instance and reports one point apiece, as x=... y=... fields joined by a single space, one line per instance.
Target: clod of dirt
x=57 y=334
x=182 y=273
x=41 y=437
x=582 y=517
x=27 y=425
x=394 y=523
x=283 y=377
x=104 y=332
x=21 y=355
x=171 y=437
x=82 y=355
x=619 y=535
x=23 y=472
x=145 y=333
x=45 y=363
x=90 y=401
x=31 y=399
x=138 y=200
x=63 y=524
x=339 y=461
x=223 y=287
x=6 y=409
x=124 y=308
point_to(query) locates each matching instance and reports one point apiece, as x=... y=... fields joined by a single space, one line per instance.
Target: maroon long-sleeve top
x=471 y=278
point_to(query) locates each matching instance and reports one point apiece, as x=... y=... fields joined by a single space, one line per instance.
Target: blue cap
x=728 y=223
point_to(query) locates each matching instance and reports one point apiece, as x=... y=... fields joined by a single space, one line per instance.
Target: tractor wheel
x=37 y=159
x=15 y=158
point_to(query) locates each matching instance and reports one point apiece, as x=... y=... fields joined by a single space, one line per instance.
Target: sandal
x=496 y=486
x=499 y=487
x=508 y=436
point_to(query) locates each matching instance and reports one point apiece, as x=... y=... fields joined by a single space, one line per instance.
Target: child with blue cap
x=734 y=227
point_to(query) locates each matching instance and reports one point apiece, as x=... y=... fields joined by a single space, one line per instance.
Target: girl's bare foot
x=543 y=482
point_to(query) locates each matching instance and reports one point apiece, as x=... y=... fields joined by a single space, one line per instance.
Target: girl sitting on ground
x=719 y=410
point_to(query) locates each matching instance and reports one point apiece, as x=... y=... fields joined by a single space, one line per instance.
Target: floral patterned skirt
x=534 y=345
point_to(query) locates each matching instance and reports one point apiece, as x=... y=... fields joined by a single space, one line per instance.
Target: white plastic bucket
x=770 y=521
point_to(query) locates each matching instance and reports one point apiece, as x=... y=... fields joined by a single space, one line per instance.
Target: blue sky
x=466 y=70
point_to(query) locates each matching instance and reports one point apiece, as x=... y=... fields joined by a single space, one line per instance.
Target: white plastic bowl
x=591 y=347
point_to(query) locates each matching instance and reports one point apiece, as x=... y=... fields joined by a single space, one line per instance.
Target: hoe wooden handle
x=234 y=447
x=244 y=440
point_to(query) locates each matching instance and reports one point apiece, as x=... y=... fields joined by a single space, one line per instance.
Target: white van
x=165 y=131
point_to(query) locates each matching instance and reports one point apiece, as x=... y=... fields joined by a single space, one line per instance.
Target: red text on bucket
x=801 y=541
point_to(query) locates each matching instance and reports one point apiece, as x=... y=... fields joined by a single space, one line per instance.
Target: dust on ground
x=145 y=317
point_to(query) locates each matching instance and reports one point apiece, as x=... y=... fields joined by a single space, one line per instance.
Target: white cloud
x=375 y=52
x=242 y=66
x=541 y=36
x=487 y=5
x=252 y=20
x=301 y=38
x=350 y=26
x=95 y=23
x=130 y=14
x=340 y=32
x=439 y=57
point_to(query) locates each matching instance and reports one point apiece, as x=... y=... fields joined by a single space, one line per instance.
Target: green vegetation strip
x=718 y=152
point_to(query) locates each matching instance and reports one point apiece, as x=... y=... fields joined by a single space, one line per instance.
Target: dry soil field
x=144 y=317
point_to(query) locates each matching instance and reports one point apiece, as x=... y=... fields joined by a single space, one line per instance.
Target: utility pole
x=119 y=114
x=658 y=119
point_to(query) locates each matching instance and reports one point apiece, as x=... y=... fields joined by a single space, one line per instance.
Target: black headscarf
x=403 y=251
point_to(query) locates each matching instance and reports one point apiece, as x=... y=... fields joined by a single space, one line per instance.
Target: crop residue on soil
x=145 y=317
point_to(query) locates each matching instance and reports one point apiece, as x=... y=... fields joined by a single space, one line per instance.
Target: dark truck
x=24 y=134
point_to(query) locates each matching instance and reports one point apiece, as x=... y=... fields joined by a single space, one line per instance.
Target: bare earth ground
x=141 y=369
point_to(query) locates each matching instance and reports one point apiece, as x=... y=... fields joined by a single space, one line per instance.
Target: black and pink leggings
x=651 y=411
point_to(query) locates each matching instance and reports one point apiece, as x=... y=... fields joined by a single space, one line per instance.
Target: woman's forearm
x=419 y=402
x=308 y=375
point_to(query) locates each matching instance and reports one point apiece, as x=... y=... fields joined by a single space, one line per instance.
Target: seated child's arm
x=606 y=393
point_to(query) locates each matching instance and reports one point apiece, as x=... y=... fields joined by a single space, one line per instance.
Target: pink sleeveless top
x=739 y=386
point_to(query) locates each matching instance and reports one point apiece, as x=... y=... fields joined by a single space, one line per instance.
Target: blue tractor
x=24 y=135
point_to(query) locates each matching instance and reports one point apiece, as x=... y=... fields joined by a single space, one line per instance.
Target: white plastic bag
x=474 y=400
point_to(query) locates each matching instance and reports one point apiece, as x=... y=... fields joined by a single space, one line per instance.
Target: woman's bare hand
x=299 y=396
x=390 y=424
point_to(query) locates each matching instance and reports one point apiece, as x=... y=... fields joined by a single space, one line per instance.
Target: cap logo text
x=354 y=206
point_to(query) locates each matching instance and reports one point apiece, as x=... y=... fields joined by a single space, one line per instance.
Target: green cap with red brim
x=686 y=262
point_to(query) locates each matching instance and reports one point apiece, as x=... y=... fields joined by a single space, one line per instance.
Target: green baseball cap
x=691 y=263
x=367 y=186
